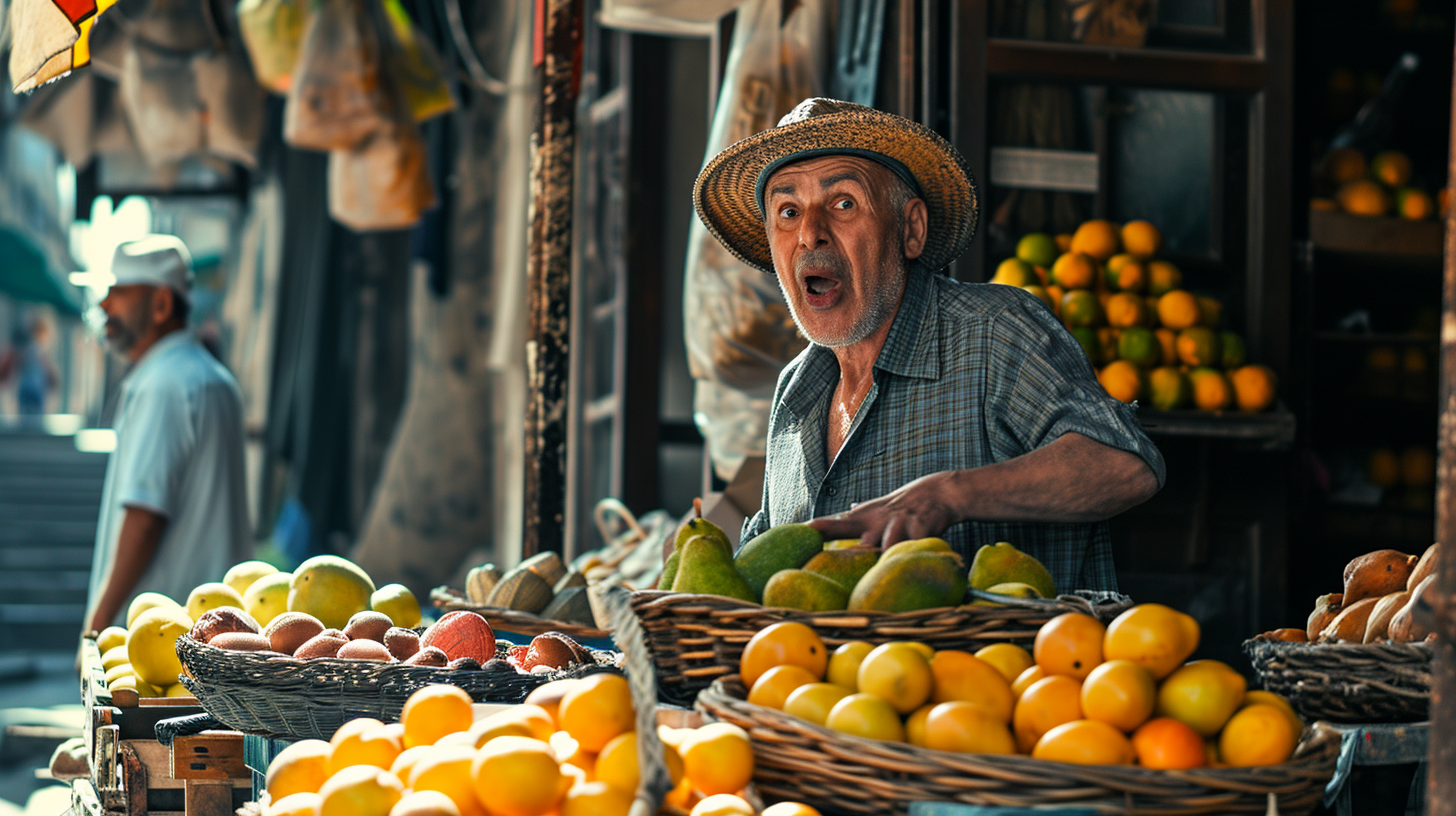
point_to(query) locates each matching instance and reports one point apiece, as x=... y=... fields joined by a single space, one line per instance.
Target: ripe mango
x=705 y=570
x=918 y=545
x=1001 y=563
x=910 y=581
x=787 y=546
x=844 y=567
x=808 y=591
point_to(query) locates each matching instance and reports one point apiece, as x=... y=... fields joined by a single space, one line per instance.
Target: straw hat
x=728 y=192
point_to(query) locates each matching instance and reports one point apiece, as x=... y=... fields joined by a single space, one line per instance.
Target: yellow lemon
x=813 y=702
x=447 y=770
x=901 y=676
x=151 y=645
x=147 y=600
x=718 y=758
x=1202 y=694
x=267 y=597
x=1156 y=637
x=517 y=776
x=360 y=790
x=1259 y=734
x=1008 y=658
x=868 y=716
x=301 y=767
x=844 y=664
x=241 y=576
x=776 y=684
x=398 y=603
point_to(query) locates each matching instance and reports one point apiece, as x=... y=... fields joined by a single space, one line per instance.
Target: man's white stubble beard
x=881 y=306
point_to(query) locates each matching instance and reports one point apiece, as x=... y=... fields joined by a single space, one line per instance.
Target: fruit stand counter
x=132 y=772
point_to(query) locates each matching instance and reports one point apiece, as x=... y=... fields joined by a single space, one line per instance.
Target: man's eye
x=788 y=212
x=844 y=204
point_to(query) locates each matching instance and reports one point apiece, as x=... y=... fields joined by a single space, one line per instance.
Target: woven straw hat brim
x=724 y=194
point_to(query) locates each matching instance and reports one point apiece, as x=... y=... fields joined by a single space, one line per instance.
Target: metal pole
x=557 y=57
x=1441 y=770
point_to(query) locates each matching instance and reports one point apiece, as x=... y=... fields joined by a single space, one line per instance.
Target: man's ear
x=164 y=305
x=917 y=224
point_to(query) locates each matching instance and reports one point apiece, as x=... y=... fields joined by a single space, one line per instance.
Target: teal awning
x=25 y=274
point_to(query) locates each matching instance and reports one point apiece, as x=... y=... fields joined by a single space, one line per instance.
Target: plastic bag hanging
x=273 y=32
x=383 y=183
x=338 y=98
x=738 y=330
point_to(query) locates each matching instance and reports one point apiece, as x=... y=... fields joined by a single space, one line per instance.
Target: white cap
x=158 y=260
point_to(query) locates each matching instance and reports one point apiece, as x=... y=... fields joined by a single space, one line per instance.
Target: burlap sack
x=234 y=102
x=159 y=93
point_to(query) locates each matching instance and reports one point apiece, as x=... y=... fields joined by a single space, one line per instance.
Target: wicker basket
x=696 y=639
x=446 y=599
x=1347 y=682
x=288 y=698
x=841 y=774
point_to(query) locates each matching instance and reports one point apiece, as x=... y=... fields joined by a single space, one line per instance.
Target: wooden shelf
x=1271 y=430
x=1138 y=67
x=1375 y=236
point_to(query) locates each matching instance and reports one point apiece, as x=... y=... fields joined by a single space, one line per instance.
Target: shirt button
x=832 y=490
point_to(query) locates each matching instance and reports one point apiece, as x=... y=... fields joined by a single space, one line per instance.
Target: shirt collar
x=161 y=348
x=912 y=348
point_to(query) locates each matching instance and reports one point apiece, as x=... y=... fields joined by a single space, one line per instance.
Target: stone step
x=57 y=557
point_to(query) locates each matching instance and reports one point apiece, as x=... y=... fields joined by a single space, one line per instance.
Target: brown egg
x=429 y=656
x=553 y=650
x=363 y=649
x=291 y=630
x=402 y=643
x=241 y=642
x=320 y=645
x=368 y=625
x=222 y=619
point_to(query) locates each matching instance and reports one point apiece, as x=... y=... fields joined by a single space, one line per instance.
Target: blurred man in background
x=174 y=508
x=27 y=363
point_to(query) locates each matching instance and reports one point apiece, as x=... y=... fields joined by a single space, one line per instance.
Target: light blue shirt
x=179 y=453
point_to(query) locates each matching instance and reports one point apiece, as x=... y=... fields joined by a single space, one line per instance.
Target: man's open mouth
x=819 y=285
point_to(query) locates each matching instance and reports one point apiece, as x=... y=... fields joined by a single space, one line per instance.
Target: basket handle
x=615 y=506
x=627 y=632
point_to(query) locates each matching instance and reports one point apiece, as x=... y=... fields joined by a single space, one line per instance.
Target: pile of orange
x=1087 y=694
x=1148 y=337
x=1380 y=186
x=569 y=750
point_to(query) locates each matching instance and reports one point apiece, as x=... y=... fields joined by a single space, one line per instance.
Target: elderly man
x=174 y=508
x=922 y=406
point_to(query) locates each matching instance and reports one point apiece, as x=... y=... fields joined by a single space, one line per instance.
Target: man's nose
x=813 y=229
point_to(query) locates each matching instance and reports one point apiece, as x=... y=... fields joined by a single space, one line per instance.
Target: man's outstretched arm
x=1073 y=479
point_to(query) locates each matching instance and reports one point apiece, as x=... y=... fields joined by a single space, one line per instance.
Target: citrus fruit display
x=1124 y=693
x=539 y=769
x=1383 y=184
x=1129 y=309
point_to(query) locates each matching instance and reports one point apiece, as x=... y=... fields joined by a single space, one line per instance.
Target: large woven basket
x=447 y=599
x=288 y=698
x=841 y=774
x=696 y=639
x=1347 y=682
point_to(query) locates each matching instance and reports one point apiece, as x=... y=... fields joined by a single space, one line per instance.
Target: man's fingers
x=833 y=529
x=894 y=533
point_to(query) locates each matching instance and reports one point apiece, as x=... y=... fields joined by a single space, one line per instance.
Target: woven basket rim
x=1319 y=743
x=329 y=665
x=449 y=599
x=1416 y=651
x=1067 y=602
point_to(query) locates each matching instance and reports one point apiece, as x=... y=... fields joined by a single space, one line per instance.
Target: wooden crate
x=132 y=773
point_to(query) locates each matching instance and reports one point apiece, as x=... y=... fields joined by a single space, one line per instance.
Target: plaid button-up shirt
x=970 y=375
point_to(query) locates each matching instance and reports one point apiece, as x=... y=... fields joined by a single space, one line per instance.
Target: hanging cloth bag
x=337 y=99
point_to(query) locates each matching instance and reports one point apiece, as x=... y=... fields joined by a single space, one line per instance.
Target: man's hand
x=920 y=509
